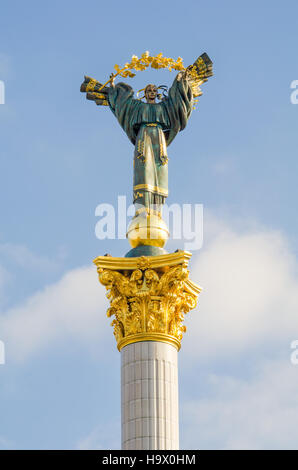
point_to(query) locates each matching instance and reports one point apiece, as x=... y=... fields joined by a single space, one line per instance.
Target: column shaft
x=149 y=396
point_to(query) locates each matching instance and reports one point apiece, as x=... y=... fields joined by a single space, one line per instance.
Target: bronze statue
x=151 y=127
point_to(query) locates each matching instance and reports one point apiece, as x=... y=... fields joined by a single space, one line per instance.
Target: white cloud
x=250 y=293
x=244 y=324
x=253 y=413
x=74 y=307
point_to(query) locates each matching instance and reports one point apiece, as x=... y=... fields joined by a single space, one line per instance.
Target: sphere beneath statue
x=147 y=229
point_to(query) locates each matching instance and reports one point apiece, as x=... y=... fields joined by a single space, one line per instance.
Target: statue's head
x=150 y=93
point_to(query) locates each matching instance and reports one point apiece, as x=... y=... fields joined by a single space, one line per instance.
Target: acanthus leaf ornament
x=146 y=303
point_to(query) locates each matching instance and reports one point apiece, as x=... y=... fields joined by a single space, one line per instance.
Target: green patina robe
x=151 y=127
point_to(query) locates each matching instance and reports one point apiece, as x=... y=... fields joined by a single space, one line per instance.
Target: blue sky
x=61 y=156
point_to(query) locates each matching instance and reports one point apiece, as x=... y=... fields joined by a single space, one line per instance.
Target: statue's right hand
x=112 y=78
x=179 y=76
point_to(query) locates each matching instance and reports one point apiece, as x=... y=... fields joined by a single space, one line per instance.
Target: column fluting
x=149 y=396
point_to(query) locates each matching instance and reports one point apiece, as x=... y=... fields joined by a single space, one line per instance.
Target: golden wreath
x=142 y=63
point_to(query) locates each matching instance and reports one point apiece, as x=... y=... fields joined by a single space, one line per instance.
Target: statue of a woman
x=151 y=127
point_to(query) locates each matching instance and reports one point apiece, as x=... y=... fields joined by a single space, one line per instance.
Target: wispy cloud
x=102 y=437
x=5 y=444
x=223 y=166
x=21 y=256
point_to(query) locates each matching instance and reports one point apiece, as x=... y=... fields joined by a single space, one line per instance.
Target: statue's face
x=151 y=92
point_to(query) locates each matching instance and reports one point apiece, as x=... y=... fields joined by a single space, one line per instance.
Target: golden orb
x=147 y=229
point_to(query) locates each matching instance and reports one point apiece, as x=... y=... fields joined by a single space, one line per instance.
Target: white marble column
x=149 y=396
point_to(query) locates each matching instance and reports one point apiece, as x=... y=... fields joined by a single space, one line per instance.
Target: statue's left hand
x=187 y=72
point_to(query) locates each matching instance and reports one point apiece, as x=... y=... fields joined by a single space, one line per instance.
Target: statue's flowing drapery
x=151 y=127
